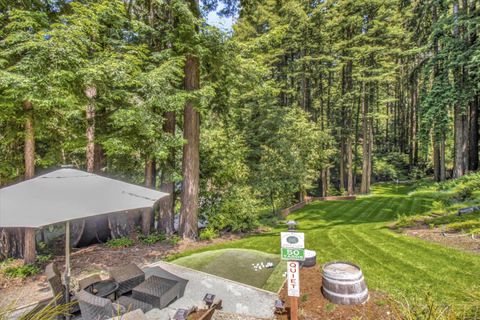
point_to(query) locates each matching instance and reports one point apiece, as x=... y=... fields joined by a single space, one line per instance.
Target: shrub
x=174 y=240
x=44 y=258
x=152 y=238
x=21 y=271
x=464 y=226
x=235 y=210
x=123 y=242
x=208 y=234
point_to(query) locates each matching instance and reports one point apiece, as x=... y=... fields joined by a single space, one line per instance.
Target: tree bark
x=188 y=227
x=12 y=243
x=91 y=93
x=29 y=146
x=365 y=185
x=147 y=214
x=413 y=124
x=460 y=121
x=473 y=141
x=167 y=205
x=99 y=158
x=350 y=188
x=30 y=254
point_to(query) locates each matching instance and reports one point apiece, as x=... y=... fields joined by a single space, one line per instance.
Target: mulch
x=313 y=306
x=457 y=240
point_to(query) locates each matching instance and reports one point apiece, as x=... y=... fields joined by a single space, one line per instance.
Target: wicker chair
x=85 y=282
x=97 y=308
x=58 y=289
x=127 y=277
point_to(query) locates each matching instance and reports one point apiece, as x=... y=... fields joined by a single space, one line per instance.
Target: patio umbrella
x=65 y=195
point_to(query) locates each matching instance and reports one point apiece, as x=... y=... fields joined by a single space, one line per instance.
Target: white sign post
x=292 y=249
x=293 y=278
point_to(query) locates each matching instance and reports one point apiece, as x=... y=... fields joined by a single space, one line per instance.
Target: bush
x=174 y=240
x=208 y=234
x=391 y=166
x=152 y=238
x=236 y=210
x=464 y=226
x=21 y=271
x=123 y=242
x=44 y=258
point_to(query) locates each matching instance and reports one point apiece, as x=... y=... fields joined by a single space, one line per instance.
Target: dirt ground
x=456 y=240
x=312 y=304
x=93 y=259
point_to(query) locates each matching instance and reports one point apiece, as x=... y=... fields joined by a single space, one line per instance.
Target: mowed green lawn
x=357 y=231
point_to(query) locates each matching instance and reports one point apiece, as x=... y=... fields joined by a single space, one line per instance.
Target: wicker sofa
x=127 y=277
x=97 y=308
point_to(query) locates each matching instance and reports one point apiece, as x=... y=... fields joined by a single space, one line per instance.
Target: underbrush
x=123 y=242
x=152 y=238
x=449 y=196
x=21 y=271
x=13 y=268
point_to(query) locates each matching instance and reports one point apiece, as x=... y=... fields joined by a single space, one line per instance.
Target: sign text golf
x=292 y=246
x=293 y=254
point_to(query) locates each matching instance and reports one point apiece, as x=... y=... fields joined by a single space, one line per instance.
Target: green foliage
x=44 y=258
x=427 y=308
x=391 y=167
x=51 y=311
x=123 y=242
x=174 y=240
x=152 y=238
x=208 y=234
x=22 y=271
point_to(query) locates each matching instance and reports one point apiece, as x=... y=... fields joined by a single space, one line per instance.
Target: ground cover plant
x=395 y=263
x=448 y=197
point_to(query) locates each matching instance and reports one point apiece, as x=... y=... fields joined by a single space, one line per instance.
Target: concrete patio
x=236 y=297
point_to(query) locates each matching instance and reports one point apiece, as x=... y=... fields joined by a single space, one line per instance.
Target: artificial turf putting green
x=237 y=265
x=357 y=231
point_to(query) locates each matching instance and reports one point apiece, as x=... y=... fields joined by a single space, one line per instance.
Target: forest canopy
x=301 y=98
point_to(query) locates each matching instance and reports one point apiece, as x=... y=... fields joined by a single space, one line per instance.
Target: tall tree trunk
x=473 y=130
x=442 y=158
x=167 y=205
x=460 y=120
x=99 y=158
x=188 y=227
x=20 y=242
x=29 y=152
x=365 y=184
x=147 y=214
x=91 y=93
x=473 y=164
x=350 y=188
x=460 y=141
x=436 y=158
x=29 y=146
x=413 y=123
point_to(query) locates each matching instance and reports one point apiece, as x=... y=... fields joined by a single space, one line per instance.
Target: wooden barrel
x=310 y=258
x=343 y=283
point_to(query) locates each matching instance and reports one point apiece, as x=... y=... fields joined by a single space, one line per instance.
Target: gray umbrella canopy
x=69 y=194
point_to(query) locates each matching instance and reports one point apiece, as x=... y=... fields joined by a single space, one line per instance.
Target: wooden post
x=29 y=256
x=293 y=308
x=67 y=265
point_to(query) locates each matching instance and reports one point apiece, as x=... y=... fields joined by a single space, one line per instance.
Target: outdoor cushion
x=127 y=277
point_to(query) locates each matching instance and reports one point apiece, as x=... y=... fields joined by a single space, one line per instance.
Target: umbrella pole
x=67 y=264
